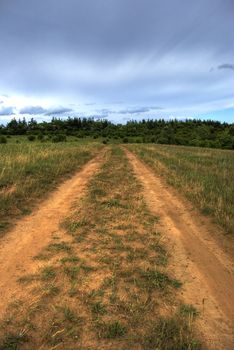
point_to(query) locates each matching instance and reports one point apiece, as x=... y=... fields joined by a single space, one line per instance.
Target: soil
x=200 y=256
x=32 y=233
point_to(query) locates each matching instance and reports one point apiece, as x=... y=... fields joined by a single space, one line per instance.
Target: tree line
x=201 y=133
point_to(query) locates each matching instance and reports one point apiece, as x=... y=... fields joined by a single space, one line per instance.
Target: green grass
x=57 y=247
x=29 y=170
x=14 y=341
x=48 y=273
x=205 y=176
x=98 y=308
x=114 y=330
x=157 y=280
x=169 y=334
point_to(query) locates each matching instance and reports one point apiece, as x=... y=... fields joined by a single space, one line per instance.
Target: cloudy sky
x=117 y=59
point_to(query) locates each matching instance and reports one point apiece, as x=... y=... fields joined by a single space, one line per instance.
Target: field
x=28 y=171
x=205 y=176
x=99 y=252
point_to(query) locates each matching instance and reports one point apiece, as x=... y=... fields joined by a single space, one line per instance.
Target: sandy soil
x=200 y=258
x=35 y=231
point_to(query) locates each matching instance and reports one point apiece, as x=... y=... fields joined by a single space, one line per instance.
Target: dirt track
x=197 y=259
x=33 y=232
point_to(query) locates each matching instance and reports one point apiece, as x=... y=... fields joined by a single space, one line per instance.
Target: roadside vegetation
x=103 y=281
x=28 y=171
x=205 y=176
x=200 y=133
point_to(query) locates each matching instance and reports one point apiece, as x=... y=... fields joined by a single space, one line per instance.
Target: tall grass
x=205 y=176
x=28 y=171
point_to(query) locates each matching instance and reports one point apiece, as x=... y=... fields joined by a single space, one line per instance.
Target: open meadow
x=98 y=253
x=29 y=170
x=205 y=176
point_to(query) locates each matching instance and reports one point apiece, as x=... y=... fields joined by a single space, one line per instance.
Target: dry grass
x=29 y=171
x=205 y=176
x=104 y=284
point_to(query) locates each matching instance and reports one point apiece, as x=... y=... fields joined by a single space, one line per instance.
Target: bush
x=3 y=139
x=40 y=137
x=125 y=140
x=104 y=142
x=59 y=138
x=31 y=138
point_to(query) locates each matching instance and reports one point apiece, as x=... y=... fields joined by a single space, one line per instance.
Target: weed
x=161 y=260
x=57 y=247
x=41 y=257
x=70 y=259
x=97 y=192
x=51 y=289
x=98 y=308
x=96 y=293
x=113 y=330
x=188 y=310
x=70 y=315
x=73 y=291
x=156 y=279
x=72 y=271
x=171 y=334
x=28 y=279
x=48 y=273
x=13 y=341
x=87 y=268
x=114 y=202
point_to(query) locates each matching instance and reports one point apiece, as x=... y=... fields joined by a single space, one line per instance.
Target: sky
x=117 y=59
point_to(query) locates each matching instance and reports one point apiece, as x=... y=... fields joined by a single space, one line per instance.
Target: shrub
x=125 y=140
x=3 y=139
x=59 y=138
x=40 y=137
x=31 y=138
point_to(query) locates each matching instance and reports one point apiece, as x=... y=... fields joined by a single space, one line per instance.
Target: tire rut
x=35 y=231
x=205 y=269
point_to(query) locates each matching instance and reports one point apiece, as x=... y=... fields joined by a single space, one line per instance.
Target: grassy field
x=29 y=170
x=103 y=281
x=205 y=176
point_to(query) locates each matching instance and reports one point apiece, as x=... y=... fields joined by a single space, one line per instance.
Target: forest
x=190 y=132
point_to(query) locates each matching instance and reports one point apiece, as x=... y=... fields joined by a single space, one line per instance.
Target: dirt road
x=197 y=259
x=33 y=232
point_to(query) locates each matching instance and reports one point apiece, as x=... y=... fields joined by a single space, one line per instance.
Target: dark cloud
x=134 y=111
x=58 y=110
x=32 y=110
x=139 y=110
x=134 y=51
x=7 y=111
x=96 y=116
x=226 y=66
